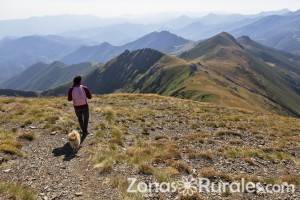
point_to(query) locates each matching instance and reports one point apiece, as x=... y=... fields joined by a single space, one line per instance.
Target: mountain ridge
x=222 y=69
x=224 y=72
x=163 y=41
x=130 y=71
x=248 y=70
x=221 y=40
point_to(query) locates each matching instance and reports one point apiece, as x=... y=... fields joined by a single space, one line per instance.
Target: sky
x=13 y=9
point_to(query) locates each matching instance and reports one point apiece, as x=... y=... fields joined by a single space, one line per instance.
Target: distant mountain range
x=116 y=34
x=118 y=31
x=221 y=69
x=41 y=76
x=278 y=31
x=163 y=41
x=212 y=24
x=49 y=25
x=17 y=54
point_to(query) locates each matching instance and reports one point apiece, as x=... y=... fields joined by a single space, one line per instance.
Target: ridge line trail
x=51 y=176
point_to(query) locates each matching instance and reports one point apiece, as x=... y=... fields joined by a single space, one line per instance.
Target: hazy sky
x=10 y=9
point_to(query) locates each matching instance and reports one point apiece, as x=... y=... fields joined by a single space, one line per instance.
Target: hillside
x=249 y=74
x=148 y=137
x=18 y=54
x=41 y=76
x=163 y=41
x=210 y=47
x=218 y=70
x=144 y=70
x=283 y=59
x=280 y=60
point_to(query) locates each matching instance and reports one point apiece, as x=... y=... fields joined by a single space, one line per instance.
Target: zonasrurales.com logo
x=189 y=186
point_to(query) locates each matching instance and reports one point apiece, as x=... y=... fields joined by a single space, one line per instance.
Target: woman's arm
x=70 y=94
x=87 y=92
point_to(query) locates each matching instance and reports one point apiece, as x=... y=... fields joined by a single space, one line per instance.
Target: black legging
x=83 y=118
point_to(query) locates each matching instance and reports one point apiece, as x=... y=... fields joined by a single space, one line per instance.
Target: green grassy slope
x=223 y=55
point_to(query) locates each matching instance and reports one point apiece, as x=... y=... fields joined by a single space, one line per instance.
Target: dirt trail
x=53 y=172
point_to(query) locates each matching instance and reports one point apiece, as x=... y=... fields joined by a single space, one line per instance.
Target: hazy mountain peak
x=163 y=33
x=226 y=36
x=245 y=39
x=106 y=44
x=276 y=12
x=164 y=41
x=57 y=64
x=285 y=10
x=297 y=12
x=183 y=17
x=224 y=39
x=213 y=44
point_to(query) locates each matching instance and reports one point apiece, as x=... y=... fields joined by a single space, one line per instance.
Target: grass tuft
x=26 y=136
x=16 y=192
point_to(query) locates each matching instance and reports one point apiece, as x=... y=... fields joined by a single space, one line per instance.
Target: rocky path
x=52 y=170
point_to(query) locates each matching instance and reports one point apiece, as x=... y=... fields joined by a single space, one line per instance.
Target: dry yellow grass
x=209 y=155
x=17 y=192
x=182 y=136
x=27 y=135
x=9 y=144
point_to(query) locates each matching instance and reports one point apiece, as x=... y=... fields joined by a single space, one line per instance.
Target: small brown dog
x=74 y=140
